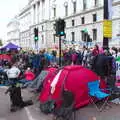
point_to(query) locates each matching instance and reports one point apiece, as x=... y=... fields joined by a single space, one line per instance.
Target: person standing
x=14 y=90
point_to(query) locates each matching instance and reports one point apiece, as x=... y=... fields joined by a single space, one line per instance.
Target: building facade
x=25 y=23
x=13 y=31
x=78 y=15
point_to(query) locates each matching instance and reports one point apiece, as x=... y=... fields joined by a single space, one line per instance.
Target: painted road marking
x=2 y=119
x=4 y=87
x=29 y=114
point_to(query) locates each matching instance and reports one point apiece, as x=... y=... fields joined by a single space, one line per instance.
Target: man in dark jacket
x=101 y=64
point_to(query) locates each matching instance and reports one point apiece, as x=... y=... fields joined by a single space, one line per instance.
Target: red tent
x=77 y=78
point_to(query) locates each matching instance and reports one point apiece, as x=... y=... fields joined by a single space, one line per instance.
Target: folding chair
x=96 y=93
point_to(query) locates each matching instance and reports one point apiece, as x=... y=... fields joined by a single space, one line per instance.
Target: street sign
x=107 y=28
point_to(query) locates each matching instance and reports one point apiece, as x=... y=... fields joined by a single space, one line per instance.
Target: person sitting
x=29 y=77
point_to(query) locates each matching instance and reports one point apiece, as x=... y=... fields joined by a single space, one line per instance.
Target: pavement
x=33 y=112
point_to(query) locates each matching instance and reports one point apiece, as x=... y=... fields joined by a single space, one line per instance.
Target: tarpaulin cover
x=77 y=78
x=10 y=46
x=5 y=57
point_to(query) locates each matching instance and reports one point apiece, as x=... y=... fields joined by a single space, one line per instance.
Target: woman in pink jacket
x=29 y=77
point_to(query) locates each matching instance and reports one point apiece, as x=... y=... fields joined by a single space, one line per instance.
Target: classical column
x=34 y=13
x=38 y=11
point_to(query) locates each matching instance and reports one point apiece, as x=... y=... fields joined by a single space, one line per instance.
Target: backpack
x=66 y=109
x=47 y=107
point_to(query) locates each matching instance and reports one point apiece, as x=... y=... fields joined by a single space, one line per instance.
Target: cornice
x=24 y=10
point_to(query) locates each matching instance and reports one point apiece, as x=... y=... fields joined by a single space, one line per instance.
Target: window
x=94 y=17
x=38 y=7
x=34 y=13
x=83 y=20
x=82 y=35
x=54 y=38
x=38 y=4
x=94 y=34
x=42 y=39
x=54 y=26
x=42 y=27
x=34 y=6
x=54 y=10
x=95 y=2
x=65 y=36
x=66 y=10
x=73 y=36
x=73 y=23
x=74 y=7
x=84 y=4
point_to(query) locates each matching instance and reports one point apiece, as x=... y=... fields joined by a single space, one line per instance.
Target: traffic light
x=60 y=27
x=36 y=34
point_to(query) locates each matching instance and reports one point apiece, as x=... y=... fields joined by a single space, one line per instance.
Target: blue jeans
x=25 y=82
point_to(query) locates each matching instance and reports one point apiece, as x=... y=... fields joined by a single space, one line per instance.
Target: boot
x=16 y=98
x=13 y=108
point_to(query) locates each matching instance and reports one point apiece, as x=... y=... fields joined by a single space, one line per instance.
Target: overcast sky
x=9 y=9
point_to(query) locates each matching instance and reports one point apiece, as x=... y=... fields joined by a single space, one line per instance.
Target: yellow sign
x=107 y=28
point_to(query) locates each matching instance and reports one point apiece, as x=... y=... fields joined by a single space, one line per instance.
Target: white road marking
x=4 y=87
x=2 y=119
x=29 y=114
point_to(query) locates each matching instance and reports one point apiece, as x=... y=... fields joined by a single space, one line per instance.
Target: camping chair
x=114 y=90
x=96 y=93
x=66 y=112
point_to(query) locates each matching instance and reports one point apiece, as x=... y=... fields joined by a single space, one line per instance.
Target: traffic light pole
x=36 y=45
x=59 y=28
x=107 y=16
x=60 y=59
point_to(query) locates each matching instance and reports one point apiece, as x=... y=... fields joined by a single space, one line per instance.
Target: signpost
x=107 y=23
x=107 y=28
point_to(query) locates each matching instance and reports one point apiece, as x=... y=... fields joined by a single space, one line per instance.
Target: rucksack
x=47 y=107
x=66 y=109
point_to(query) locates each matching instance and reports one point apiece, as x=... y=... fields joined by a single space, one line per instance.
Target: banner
x=118 y=68
x=107 y=28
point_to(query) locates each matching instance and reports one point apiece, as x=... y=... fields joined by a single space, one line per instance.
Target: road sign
x=107 y=28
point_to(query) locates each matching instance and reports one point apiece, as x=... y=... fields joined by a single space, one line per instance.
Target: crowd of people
x=92 y=58
x=26 y=66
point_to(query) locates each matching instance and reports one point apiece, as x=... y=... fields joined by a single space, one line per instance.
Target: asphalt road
x=27 y=113
x=33 y=112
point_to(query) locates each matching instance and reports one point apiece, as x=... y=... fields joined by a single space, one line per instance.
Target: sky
x=9 y=9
